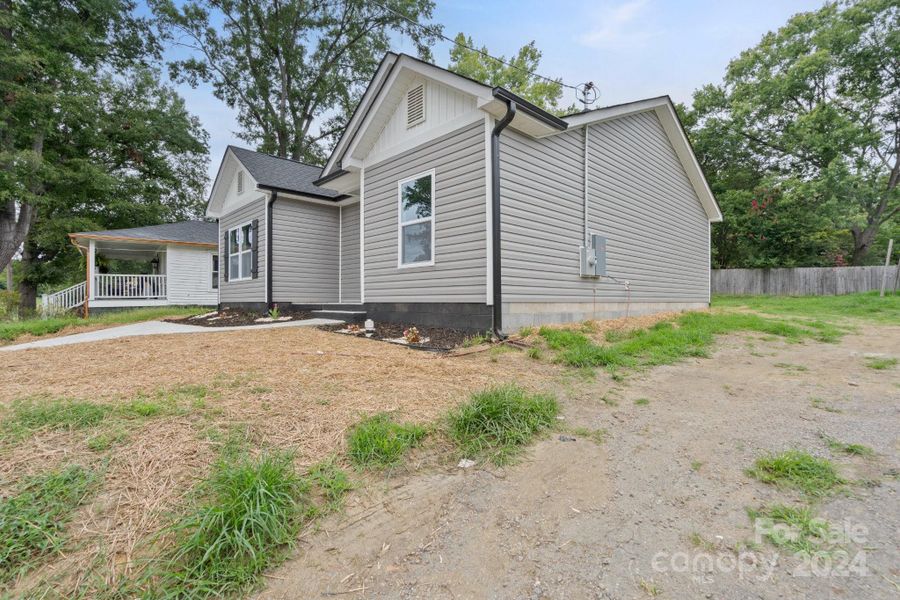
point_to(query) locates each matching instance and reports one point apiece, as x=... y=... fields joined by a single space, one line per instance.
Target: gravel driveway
x=658 y=509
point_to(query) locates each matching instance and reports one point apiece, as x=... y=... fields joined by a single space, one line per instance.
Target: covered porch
x=159 y=265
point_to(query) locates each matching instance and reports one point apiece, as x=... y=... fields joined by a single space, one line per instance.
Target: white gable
x=442 y=105
x=225 y=197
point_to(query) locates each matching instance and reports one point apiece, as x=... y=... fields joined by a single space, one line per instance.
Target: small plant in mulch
x=411 y=335
x=273 y=312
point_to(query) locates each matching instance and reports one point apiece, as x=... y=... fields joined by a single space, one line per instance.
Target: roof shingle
x=192 y=232
x=283 y=173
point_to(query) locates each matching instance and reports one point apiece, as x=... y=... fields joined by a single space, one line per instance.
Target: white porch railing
x=129 y=286
x=63 y=300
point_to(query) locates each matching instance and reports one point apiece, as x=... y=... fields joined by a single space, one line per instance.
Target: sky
x=630 y=49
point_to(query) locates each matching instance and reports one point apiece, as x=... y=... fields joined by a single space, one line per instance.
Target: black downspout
x=495 y=217
x=269 y=212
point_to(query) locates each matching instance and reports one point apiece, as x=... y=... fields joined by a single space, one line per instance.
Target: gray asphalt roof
x=197 y=232
x=282 y=173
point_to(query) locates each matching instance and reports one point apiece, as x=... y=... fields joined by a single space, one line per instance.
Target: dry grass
x=297 y=389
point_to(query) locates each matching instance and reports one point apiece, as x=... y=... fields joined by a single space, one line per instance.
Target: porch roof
x=189 y=233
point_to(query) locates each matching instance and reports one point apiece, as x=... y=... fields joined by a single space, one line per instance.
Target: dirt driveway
x=658 y=509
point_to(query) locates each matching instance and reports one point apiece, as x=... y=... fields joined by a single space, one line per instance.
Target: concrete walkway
x=154 y=328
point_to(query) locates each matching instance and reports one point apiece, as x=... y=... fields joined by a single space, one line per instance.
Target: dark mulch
x=231 y=318
x=439 y=338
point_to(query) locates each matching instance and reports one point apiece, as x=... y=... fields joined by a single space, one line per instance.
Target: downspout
x=495 y=217
x=269 y=212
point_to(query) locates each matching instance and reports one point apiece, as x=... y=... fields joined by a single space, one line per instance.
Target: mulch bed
x=439 y=338
x=231 y=318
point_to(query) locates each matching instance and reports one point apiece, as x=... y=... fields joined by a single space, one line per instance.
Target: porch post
x=89 y=276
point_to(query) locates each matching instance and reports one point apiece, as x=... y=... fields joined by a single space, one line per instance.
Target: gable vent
x=415 y=106
x=240 y=182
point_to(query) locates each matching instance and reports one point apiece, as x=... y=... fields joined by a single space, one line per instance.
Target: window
x=240 y=182
x=240 y=252
x=415 y=106
x=416 y=235
x=215 y=271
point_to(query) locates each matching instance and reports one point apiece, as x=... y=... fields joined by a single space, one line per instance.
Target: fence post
x=887 y=263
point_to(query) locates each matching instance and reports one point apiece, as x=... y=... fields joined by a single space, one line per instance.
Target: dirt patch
x=638 y=515
x=232 y=318
x=438 y=338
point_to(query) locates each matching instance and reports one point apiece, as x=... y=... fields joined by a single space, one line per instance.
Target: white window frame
x=401 y=223
x=215 y=271
x=228 y=254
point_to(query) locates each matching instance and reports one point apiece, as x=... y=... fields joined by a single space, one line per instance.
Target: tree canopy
x=517 y=74
x=89 y=138
x=801 y=141
x=294 y=69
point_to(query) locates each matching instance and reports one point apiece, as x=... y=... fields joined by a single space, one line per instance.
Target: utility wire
x=431 y=31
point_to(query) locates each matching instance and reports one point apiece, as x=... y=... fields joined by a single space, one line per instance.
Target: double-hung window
x=240 y=252
x=415 y=241
x=215 y=271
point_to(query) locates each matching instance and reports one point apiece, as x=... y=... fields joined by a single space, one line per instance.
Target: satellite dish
x=587 y=93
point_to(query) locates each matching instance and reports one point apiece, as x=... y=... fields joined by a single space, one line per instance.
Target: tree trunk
x=862 y=242
x=27 y=289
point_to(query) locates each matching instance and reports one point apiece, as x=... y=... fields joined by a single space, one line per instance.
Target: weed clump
x=799 y=470
x=378 y=441
x=497 y=422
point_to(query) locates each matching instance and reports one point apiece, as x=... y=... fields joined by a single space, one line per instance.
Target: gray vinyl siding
x=459 y=271
x=640 y=199
x=350 y=254
x=248 y=290
x=304 y=252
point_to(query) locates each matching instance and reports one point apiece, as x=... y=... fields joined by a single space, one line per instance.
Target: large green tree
x=294 y=69
x=518 y=74
x=88 y=137
x=809 y=119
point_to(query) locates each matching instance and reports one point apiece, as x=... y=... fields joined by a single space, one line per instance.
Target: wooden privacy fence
x=807 y=281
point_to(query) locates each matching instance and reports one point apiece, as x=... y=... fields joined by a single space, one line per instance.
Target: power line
x=467 y=47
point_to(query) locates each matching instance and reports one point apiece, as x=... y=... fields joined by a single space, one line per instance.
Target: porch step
x=350 y=316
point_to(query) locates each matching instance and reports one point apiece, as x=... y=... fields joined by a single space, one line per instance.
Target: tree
x=816 y=106
x=294 y=69
x=87 y=134
x=516 y=74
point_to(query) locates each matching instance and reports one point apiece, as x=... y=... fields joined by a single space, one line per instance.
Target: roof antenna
x=587 y=94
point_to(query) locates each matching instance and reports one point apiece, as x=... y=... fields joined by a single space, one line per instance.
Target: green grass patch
x=33 y=521
x=331 y=481
x=690 y=335
x=497 y=422
x=868 y=306
x=797 y=469
x=534 y=352
x=476 y=340
x=247 y=515
x=795 y=528
x=881 y=364
x=379 y=442
x=40 y=412
x=844 y=448
x=10 y=330
x=791 y=368
x=642 y=401
x=598 y=436
x=822 y=405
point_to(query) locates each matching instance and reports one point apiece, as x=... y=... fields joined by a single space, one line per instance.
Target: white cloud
x=618 y=26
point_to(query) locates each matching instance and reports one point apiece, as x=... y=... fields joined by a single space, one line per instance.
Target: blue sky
x=631 y=49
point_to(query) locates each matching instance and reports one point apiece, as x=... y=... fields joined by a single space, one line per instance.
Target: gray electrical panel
x=593 y=258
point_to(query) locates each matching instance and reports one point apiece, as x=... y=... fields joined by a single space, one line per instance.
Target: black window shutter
x=255 y=261
x=224 y=259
